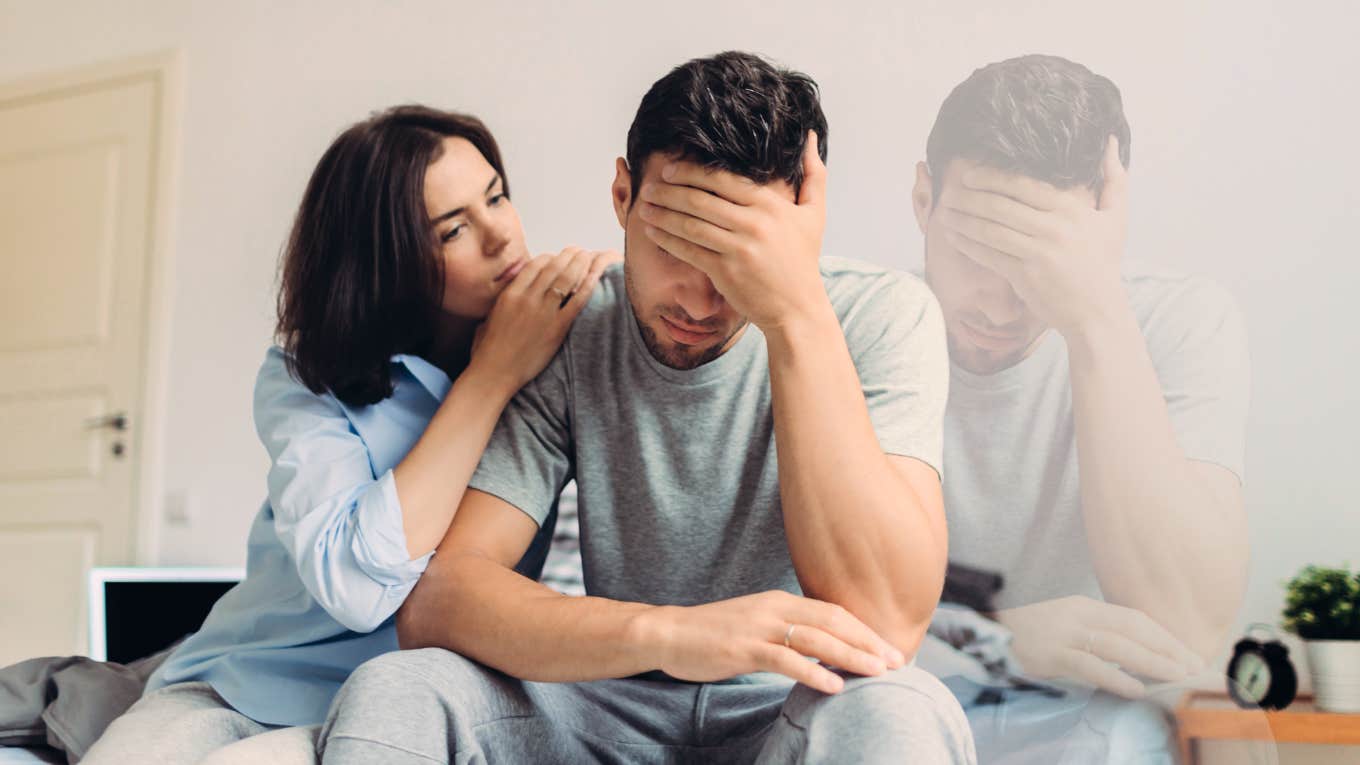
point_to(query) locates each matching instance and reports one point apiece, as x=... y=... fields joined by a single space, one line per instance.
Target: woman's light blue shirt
x=327 y=565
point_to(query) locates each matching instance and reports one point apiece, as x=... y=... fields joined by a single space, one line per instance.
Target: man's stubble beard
x=671 y=355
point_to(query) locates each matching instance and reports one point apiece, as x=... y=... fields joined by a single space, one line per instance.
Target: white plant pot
x=1335 y=667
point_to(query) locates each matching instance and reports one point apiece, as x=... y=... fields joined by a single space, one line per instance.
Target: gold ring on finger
x=788 y=635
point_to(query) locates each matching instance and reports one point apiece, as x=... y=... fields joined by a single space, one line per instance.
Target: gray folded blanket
x=66 y=702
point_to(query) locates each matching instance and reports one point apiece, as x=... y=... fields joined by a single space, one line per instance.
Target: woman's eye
x=453 y=233
x=496 y=200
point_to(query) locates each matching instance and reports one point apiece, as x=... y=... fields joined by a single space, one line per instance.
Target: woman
x=409 y=314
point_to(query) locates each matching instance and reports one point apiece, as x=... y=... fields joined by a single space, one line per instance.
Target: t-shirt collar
x=1035 y=364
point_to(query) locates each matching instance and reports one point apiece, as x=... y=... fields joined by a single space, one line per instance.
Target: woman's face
x=478 y=230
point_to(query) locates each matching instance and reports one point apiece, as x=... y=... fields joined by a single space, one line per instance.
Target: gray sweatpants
x=189 y=724
x=432 y=705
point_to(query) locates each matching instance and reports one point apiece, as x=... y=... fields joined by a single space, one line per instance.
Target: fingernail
x=668 y=172
x=650 y=231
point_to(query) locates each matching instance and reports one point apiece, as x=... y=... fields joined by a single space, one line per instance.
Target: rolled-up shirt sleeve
x=341 y=524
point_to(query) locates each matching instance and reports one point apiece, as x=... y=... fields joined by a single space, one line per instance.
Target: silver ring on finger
x=1090 y=642
x=788 y=635
x=562 y=295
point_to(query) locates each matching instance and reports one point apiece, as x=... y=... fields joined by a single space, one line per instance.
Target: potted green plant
x=1322 y=606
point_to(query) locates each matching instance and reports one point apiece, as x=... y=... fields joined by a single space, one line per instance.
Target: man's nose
x=998 y=301
x=697 y=295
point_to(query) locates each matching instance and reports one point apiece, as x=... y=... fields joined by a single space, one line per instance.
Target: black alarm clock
x=1260 y=675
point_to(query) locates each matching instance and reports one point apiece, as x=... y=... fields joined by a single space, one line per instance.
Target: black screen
x=141 y=618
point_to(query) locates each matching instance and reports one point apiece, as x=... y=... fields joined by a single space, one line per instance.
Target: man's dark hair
x=734 y=111
x=1040 y=116
x=362 y=276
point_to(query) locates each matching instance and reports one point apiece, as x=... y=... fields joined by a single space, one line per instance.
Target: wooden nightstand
x=1208 y=715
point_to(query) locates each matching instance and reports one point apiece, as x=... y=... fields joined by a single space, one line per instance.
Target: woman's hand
x=766 y=632
x=531 y=317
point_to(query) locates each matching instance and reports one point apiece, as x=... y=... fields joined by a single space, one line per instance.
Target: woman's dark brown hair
x=362 y=277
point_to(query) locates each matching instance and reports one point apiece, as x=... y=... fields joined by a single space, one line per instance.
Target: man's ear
x=622 y=191
x=922 y=196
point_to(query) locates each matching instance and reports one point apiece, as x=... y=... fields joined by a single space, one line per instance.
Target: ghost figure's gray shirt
x=1013 y=497
x=677 y=472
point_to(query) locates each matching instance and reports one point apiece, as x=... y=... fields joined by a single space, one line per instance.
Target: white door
x=79 y=179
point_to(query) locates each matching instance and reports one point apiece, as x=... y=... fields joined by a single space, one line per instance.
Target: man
x=1095 y=427
x=755 y=438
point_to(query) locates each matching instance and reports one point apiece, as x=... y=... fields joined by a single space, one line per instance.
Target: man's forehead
x=954 y=172
x=652 y=165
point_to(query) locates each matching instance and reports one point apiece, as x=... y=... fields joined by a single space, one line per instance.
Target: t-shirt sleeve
x=895 y=333
x=529 y=457
x=1197 y=339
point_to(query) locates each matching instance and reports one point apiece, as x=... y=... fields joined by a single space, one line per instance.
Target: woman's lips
x=685 y=336
x=511 y=270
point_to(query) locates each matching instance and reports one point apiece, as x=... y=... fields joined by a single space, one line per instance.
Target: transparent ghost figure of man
x=1095 y=425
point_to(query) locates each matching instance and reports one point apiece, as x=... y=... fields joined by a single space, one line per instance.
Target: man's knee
x=396 y=685
x=906 y=692
x=425 y=683
x=399 y=699
x=905 y=710
x=402 y=672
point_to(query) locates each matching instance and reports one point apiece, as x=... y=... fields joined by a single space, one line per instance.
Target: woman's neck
x=451 y=348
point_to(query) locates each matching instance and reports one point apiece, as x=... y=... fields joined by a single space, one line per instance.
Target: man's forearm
x=1162 y=540
x=480 y=609
x=859 y=535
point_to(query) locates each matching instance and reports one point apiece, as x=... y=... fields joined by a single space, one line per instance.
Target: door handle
x=117 y=421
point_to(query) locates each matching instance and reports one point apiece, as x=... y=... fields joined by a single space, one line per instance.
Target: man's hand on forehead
x=1059 y=252
x=698 y=216
x=702 y=213
x=733 y=188
x=1030 y=192
x=758 y=246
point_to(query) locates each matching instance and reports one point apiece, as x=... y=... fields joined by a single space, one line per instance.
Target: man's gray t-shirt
x=677 y=475
x=1013 y=495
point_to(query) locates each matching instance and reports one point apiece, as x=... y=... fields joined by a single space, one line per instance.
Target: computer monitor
x=135 y=612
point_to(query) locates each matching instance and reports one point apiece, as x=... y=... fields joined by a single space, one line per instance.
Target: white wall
x=1245 y=167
